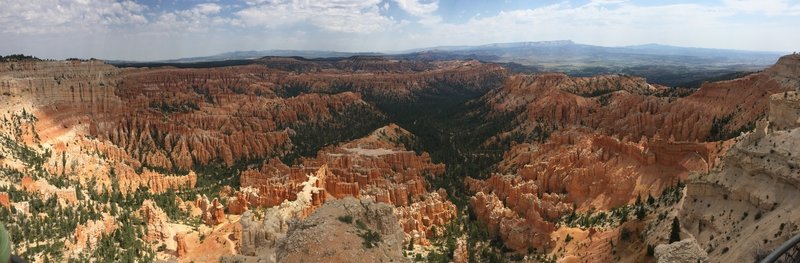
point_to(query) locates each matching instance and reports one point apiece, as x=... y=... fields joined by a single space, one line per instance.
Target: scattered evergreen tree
x=640 y=212
x=650 y=200
x=675 y=233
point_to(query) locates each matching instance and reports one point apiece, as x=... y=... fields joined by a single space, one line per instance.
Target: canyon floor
x=371 y=159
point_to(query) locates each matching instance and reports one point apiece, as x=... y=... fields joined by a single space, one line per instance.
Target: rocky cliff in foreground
x=344 y=230
x=748 y=204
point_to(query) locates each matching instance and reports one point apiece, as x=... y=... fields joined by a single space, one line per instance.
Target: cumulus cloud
x=348 y=16
x=64 y=16
x=618 y=23
x=201 y=17
x=206 y=8
x=424 y=11
x=417 y=8
x=366 y=25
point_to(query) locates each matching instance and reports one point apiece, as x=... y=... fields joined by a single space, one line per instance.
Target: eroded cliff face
x=630 y=108
x=418 y=220
x=580 y=145
x=752 y=196
x=598 y=143
x=123 y=130
x=182 y=118
x=50 y=107
x=786 y=70
x=377 y=167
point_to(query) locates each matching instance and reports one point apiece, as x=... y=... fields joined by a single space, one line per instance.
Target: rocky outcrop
x=321 y=237
x=418 y=219
x=786 y=70
x=130 y=181
x=753 y=193
x=629 y=108
x=41 y=187
x=576 y=168
x=517 y=232
x=157 y=222
x=240 y=202
x=212 y=212
x=599 y=142
x=376 y=166
x=180 y=240
x=87 y=235
x=262 y=230
x=784 y=110
x=685 y=250
x=85 y=87
x=461 y=254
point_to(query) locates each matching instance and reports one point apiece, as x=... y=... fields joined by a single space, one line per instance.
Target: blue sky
x=162 y=29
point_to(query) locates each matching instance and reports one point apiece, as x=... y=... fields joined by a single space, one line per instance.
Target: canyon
x=381 y=159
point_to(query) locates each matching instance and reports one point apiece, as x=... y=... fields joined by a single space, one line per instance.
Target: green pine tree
x=675 y=233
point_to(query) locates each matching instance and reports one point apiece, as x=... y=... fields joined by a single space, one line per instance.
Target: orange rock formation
x=611 y=138
x=213 y=213
x=371 y=166
x=418 y=219
x=156 y=221
x=180 y=239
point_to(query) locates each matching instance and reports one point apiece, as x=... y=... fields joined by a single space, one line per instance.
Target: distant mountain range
x=242 y=55
x=669 y=65
x=526 y=53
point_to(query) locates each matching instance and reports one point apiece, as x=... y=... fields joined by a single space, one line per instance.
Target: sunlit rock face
x=600 y=142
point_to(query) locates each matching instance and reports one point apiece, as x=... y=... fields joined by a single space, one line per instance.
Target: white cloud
x=65 y=16
x=348 y=16
x=417 y=8
x=615 y=23
x=424 y=11
x=207 y=8
x=102 y=27
x=200 y=18
x=768 y=7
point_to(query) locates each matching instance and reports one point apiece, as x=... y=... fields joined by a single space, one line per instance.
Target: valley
x=385 y=158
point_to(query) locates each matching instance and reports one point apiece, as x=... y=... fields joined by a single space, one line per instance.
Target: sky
x=166 y=29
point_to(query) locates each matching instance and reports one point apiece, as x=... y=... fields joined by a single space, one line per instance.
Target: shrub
x=640 y=213
x=371 y=238
x=625 y=234
x=360 y=224
x=348 y=219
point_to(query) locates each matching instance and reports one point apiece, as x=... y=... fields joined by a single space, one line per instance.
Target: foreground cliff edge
x=393 y=160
